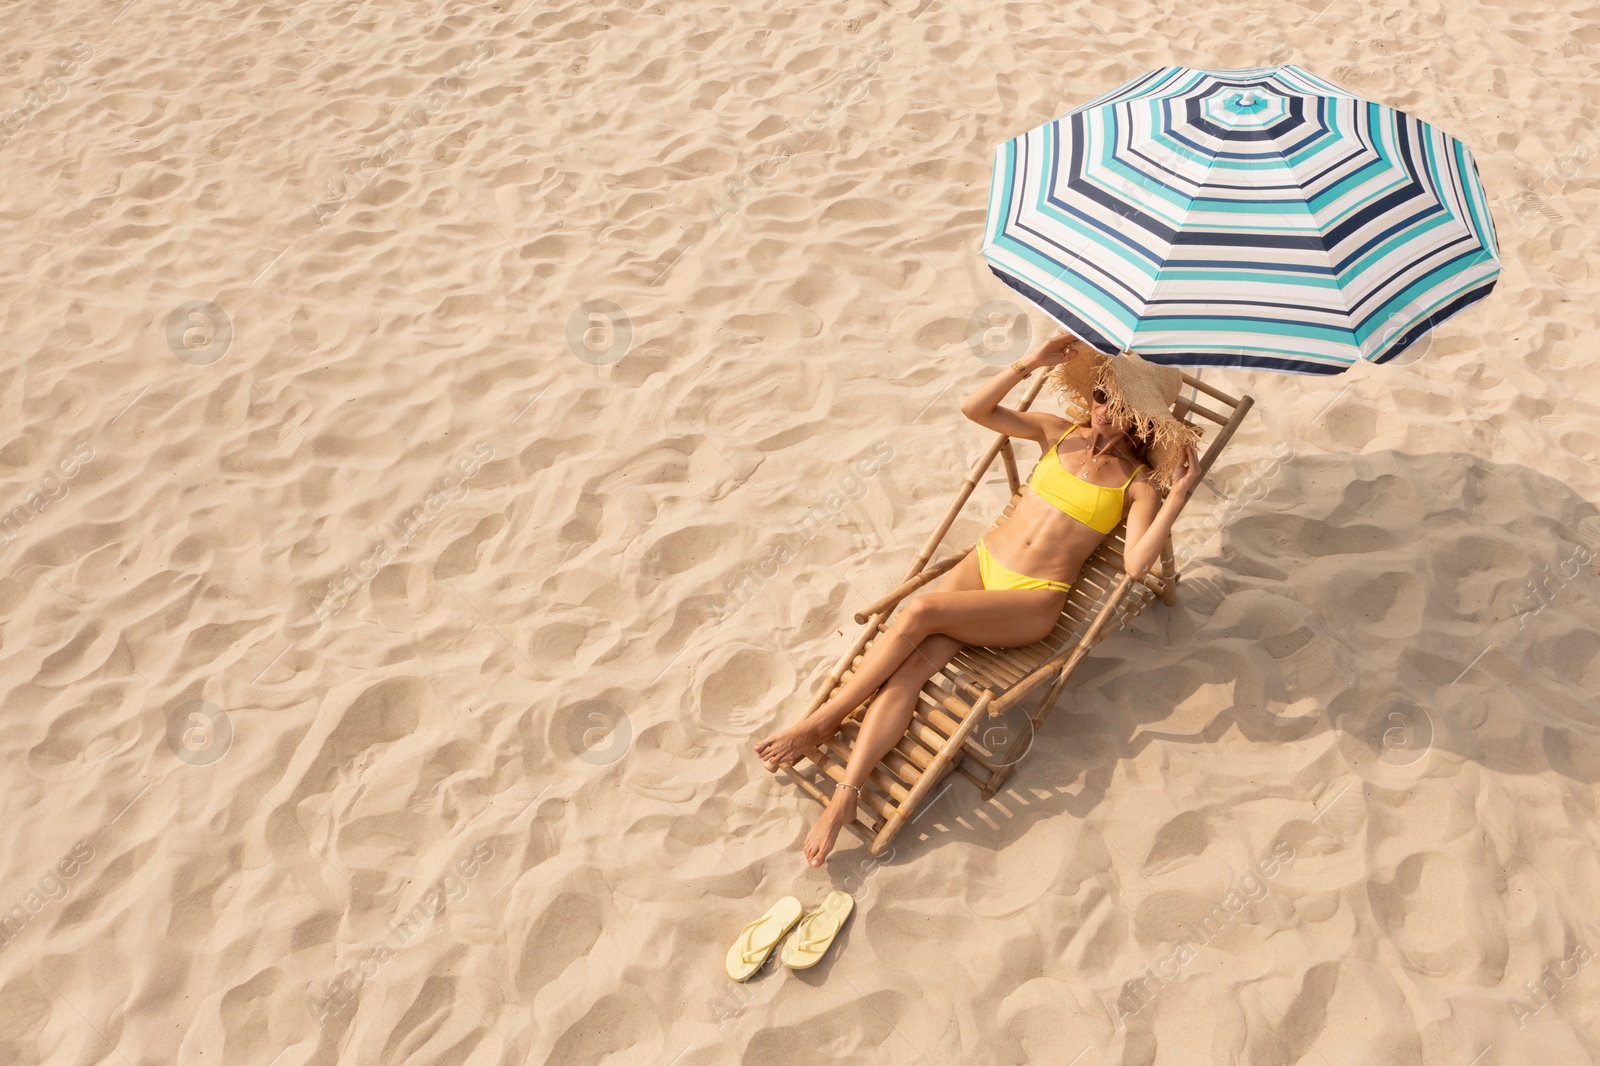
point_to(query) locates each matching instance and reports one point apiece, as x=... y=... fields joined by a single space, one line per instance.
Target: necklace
x=1099 y=460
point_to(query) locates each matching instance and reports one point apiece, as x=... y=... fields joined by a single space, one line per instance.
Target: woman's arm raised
x=1150 y=518
x=983 y=406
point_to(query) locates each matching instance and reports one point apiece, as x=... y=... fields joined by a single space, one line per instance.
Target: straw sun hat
x=1139 y=395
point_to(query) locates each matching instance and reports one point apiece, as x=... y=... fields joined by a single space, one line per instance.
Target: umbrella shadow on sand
x=1371 y=613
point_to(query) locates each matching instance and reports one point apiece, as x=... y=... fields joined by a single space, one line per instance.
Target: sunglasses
x=1099 y=395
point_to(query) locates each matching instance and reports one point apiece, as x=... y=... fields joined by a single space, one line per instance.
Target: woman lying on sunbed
x=1010 y=590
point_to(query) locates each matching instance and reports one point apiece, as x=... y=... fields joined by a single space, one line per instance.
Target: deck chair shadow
x=980 y=684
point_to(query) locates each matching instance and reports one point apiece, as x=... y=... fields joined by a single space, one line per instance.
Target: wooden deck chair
x=981 y=683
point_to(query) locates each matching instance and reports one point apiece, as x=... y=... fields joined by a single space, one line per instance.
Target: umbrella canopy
x=1255 y=218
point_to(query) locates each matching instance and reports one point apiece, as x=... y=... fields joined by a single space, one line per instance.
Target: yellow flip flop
x=757 y=939
x=815 y=932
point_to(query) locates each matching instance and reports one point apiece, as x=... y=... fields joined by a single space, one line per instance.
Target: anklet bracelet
x=837 y=785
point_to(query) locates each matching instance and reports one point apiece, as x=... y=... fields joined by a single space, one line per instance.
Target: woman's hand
x=1056 y=350
x=1150 y=518
x=1186 y=475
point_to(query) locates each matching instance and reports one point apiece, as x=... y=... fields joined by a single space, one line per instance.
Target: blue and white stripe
x=1257 y=218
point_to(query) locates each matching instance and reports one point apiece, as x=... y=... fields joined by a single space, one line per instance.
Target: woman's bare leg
x=881 y=728
x=994 y=618
x=892 y=648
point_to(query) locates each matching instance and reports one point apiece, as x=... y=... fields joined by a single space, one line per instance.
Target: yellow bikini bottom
x=996 y=576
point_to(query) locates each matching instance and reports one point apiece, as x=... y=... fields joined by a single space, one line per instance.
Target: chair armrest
x=910 y=585
x=1039 y=676
x=1068 y=660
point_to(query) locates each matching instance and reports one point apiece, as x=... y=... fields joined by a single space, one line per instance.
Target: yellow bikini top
x=1096 y=506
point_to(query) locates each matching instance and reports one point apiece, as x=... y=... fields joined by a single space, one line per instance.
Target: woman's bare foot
x=840 y=810
x=786 y=747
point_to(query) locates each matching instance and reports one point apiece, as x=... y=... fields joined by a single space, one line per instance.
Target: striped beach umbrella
x=1254 y=218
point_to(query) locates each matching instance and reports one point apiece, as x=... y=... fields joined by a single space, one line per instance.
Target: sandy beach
x=439 y=440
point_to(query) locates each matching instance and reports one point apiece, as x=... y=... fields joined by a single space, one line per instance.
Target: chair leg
x=1169 y=571
x=1052 y=694
x=1050 y=697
